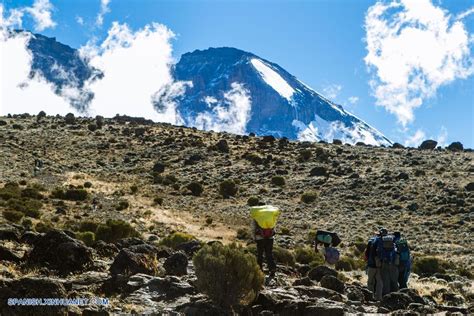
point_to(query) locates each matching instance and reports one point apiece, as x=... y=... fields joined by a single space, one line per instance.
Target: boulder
x=29 y=237
x=396 y=301
x=317 y=273
x=397 y=146
x=325 y=309
x=337 y=141
x=456 y=146
x=7 y=255
x=190 y=247
x=319 y=292
x=128 y=262
x=176 y=264
x=60 y=252
x=8 y=232
x=332 y=283
x=428 y=144
x=104 y=249
x=169 y=287
x=32 y=287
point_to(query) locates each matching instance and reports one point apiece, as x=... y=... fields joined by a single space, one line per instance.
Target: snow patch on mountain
x=273 y=79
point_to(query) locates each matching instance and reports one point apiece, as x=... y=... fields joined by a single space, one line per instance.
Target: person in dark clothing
x=264 y=240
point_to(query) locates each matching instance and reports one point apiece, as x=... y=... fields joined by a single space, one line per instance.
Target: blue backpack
x=386 y=249
x=403 y=250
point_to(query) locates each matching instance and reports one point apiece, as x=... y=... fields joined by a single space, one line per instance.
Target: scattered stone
x=319 y=272
x=456 y=146
x=128 y=262
x=61 y=252
x=332 y=283
x=318 y=172
x=176 y=264
x=222 y=146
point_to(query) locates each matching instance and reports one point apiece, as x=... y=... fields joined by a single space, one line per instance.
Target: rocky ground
x=120 y=206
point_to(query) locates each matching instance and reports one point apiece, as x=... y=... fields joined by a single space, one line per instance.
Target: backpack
x=331 y=255
x=403 y=250
x=326 y=237
x=370 y=251
x=386 y=249
x=266 y=232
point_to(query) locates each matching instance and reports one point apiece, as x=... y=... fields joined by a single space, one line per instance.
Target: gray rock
x=318 y=272
x=176 y=264
x=332 y=283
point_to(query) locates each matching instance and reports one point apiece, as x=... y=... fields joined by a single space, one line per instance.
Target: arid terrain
x=163 y=179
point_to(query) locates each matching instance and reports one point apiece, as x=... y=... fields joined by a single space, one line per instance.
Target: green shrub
x=278 y=181
x=227 y=274
x=27 y=223
x=88 y=226
x=209 y=220
x=283 y=256
x=158 y=200
x=122 y=205
x=31 y=193
x=70 y=194
x=309 y=197
x=87 y=237
x=176 y=239
x=243 y=234
x=196 y=188
x=305 y=155
x=228 y=188
x=285 y=231
x=428 y=265
x=26 y=206
x=13 y=216
x=253 y=201
x=43 y=227
x=349 y=264
x=134 y=189
x=87 y=185
x=254 y=158
x=114 y=230
x=10 y=190
x=306 y=255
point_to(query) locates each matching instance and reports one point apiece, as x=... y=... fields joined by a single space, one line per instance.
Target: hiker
x=386 y=259
x=263 y=228
x=329 y=240
x=374 y=277
x=37 y=166
x=404 y=256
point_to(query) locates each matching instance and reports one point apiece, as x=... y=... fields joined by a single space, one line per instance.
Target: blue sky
x=322 y=43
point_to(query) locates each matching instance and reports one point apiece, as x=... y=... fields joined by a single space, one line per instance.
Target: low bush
x=227 y=274
x=253 y=201
x=87 y=237
x=114 y=230
x=346 y=263
x=122 y=205
x=158 y=200
x=283 y=256
x=278 y=181
x=306 y=255
x=13 y=216
x=71 y=194
x=427 y=266
x=309 y=197
x=195 y=188
x=176 y=239
x=228 y=188
x=243 y=234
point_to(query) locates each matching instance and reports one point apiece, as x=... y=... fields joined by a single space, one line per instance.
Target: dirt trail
x=178 y=220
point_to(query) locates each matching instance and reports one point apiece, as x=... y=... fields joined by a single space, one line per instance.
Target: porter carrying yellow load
x=266 y=216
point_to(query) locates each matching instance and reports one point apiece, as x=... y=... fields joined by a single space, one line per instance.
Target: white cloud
x=414 y=47
x=465 y=14
x=104 y=9
x=353 y=100
x=135 y=66
x=41 y=13
x=231 y=114
x=416 y=139
x=14 y=20
x=80 y=20
x=19 y=93
x=332 y=91
x=442 y=137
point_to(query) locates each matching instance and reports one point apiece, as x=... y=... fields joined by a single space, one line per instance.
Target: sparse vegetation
x=309 y=197
x=176 y=239
x=228 y=188
x=227 y=274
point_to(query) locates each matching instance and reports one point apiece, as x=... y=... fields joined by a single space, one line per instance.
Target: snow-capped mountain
x=220 y=89
x=229 y=87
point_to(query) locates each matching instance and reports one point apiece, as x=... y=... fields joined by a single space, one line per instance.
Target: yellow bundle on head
x=266 y=215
